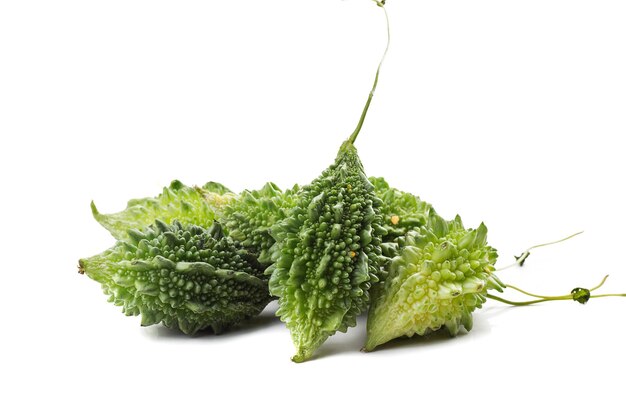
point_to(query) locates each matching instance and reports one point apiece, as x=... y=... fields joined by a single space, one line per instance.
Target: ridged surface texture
x=188 y=205
x=184 y=276
x=438 y=280
x=401 y=211
x=249 y=218
x=327 y=254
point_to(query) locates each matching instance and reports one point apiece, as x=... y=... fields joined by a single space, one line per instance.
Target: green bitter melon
x=184 y=276
x=327 y=254
x=249 y=218
x=439 y=278
x=188 y=205
x=401 y=211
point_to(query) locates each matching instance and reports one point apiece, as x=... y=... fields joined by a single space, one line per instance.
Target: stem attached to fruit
x=578 y=294
x=354 y=134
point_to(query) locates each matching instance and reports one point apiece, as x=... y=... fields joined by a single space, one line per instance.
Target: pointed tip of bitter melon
x=81 y=266
x=302 y=356
x=378 y=334
x=94 y=210
x=102 y=219
x=369 y=347
x=370 y=343
x=307 y=341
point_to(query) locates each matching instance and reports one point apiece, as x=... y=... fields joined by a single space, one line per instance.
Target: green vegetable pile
x=196 y=258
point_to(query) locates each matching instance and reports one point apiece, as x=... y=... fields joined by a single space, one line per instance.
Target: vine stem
x=522 y=258
x=530 y=302
x=356 y=131
x=553 y=297
x=565 y=297
x=542 y=298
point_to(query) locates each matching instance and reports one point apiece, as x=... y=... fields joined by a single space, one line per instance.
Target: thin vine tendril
x=578 y=294
x=354 y=134
x=519 y=260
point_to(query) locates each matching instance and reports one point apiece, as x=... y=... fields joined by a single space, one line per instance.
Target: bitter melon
x=188 y=205
x=327 y=254
x=184 y=276
x=440 y=276
x=401 y=211
x=249 y=218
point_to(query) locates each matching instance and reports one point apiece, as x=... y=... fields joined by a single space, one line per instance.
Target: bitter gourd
x=189 y=205
x=218 y=197
x=184 y=276
x=401 y=211
x=327 y=254
x=439 y=278
x=249 y=218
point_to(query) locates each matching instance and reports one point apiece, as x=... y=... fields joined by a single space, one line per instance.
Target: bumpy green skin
x=216 y=188
x=438 y=280
x=188 y=205
x=218 y=197
x=401 y=211
x=327 y=254
x=249 y=218
x=186 y=277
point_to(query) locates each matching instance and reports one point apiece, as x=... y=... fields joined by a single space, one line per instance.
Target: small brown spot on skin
x=395 y=219
x=80 y=269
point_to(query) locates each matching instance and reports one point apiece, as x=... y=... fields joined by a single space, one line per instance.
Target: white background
x=507 y=112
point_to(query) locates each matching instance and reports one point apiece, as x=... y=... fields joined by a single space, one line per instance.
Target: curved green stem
x=570 y=296
x=553 y=297
x=531 y=294
x=519 y=260
x=606 y=295
x=530 y=302
x=354 y=134
x=600 y=284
